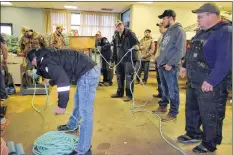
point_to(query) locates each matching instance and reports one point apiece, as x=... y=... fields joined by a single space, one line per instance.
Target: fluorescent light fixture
x=70 y=7
x=6 y=3
x=146 y=2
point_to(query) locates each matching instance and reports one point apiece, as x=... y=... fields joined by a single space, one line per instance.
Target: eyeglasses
x=201 y=16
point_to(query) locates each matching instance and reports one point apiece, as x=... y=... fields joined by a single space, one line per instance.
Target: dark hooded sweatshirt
x=217 y=51
x=62 y=66
x=172 y=47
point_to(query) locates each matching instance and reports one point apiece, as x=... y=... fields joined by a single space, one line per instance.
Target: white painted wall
x=146 y=17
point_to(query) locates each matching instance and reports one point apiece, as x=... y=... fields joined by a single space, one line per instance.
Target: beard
x=168 y=25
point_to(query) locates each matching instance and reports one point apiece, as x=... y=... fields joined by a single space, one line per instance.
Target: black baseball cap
x=148 y=30
x=169 y=13
x=208 y=7
x=31 y=54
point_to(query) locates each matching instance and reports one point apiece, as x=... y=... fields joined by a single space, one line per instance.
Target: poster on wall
x=125 y=18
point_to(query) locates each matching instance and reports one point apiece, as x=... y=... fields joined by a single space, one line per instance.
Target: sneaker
x=201 y=149
x=127 y=99
x=169 y=117
x=185 y=139
x=65 y=128
x=74 y=152
x=161 y=109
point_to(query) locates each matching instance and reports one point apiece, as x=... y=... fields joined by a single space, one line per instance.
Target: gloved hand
x=99 y=48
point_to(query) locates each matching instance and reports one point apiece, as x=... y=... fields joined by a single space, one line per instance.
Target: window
x=125 y=17
x=59 y=18
x=75 y=21
x=6 y=28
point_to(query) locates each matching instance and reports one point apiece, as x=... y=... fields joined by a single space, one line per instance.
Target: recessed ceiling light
x=6 y=3
x=70 y=7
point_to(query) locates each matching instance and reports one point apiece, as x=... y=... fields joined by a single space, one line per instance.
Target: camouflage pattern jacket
x=148 y=48
x=28 y=43
x=57 y=41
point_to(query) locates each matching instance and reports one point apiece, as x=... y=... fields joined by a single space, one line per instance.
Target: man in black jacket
x=124 y=39
x=63 y=66
x=104 y=47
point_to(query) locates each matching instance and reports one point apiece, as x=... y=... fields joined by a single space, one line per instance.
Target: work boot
x=185 y=139
x=201 y=149
x=169 y=117
x=127 y=99
x=157 y=96
x=161 y=109
x=117 y=95
x=65 y=128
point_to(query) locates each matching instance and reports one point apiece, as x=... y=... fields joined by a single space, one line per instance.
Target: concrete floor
x=117 y=131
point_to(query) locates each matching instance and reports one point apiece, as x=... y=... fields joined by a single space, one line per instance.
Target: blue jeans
x=170 y=89
x=83 y=108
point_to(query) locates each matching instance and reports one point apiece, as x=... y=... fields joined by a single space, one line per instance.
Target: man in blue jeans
x=172 y=48
x=63 y=66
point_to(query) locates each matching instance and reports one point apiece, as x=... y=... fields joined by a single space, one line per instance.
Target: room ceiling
x=116 y=6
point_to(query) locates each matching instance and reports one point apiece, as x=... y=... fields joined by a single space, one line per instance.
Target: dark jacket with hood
x=105 y=48
x=121 y=45
x=62 y=66
x=217 y=51
x=172 y=47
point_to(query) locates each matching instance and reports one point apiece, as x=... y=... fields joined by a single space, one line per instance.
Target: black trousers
x=145 y=65
x=208 y=110
x=107 y=72
x=125 y=72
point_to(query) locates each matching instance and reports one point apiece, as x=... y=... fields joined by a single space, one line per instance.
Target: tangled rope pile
x=55 y=143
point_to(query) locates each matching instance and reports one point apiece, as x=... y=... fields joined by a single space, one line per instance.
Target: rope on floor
x=55 y=143
x=133 y=107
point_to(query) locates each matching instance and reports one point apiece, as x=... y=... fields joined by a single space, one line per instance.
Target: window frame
x=75 y=24
x=8 y=24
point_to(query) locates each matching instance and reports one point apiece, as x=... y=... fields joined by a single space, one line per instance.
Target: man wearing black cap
x=124 y=39
x=208 y=64
x=172 y=49
x=147 y=47
x=63 y=66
